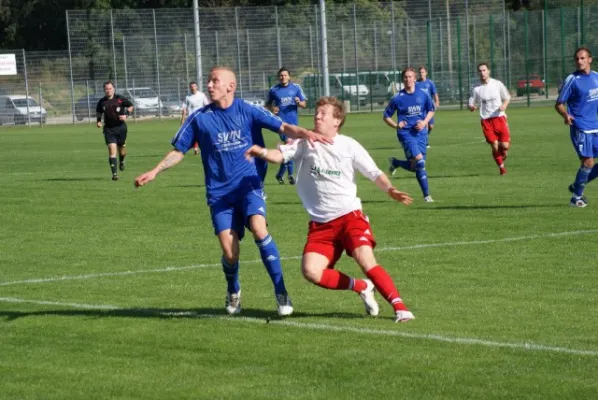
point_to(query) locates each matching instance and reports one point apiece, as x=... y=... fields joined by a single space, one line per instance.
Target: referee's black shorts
x=116 y=134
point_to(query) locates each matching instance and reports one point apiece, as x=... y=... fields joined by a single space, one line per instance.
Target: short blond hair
x=337 y=105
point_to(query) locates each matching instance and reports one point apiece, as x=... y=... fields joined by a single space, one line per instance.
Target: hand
x=313 y=137
x=471 y=107
x=253 y=151
x=502 y=107
x=99 y=124
x=275 y=110
x=569 y=120
x=402 y=124
x=145 y=178
x=420 y=125
x=399 y=196
x=297 y=100
x=122 y=117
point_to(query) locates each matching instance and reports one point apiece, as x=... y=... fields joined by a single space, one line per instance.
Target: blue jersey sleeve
x=566 y=90
x=264 y=118
x=271 y=97
x=391 y=108
x=185 y=136
x=300 y=93
x=429 y=105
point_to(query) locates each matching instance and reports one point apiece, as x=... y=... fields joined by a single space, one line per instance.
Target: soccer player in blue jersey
x=580 y=94
x=284 y=99
x=428 y=86
x=414 y=110
x=225 y=129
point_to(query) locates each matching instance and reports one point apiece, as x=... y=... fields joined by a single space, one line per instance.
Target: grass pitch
x=111 y=292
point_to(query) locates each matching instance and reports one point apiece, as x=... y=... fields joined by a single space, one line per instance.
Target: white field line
x=381 y=249
x=323 y=327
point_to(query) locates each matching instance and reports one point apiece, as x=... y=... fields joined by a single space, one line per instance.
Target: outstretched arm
x=170 y=160
x=297 y=132
x=384 y=184
x=273 y=156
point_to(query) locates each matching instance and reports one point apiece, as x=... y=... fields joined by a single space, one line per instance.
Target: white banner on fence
x=8 y=64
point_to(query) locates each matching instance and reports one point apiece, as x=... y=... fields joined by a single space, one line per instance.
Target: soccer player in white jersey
x=326 y=185
x=193 y=101
x=492 y=98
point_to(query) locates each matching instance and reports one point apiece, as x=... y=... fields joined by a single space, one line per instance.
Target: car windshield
x=348 y=80
x=23 y=103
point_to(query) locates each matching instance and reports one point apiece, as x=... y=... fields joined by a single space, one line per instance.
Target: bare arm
x=183 y=115
x=170 y=160
x=297 y=132
x=505 y=104
x=560 y=108
x=436 y=100
x=390 y=122
x=273 y=156
x=300 y=103
x=384 y=184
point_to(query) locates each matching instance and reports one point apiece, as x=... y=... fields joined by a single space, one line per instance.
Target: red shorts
x=496 y=128
x=344 y=233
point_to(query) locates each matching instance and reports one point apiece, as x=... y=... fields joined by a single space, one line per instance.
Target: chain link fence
x=151 y=55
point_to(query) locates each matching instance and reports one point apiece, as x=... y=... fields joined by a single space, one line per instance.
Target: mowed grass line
x=61 y=215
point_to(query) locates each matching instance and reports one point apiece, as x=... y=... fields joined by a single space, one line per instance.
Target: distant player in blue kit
x=414 y=110
x=225 y=129
x=283 y=100
x=580 y=93
x=428 y=86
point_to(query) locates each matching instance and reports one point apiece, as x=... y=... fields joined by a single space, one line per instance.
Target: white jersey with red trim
x=326 y=175
x=489 y=97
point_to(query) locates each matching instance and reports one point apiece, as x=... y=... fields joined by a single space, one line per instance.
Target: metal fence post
x=278 y=47
x=26 y=89
x=125 y=63
x=459 y=63
x=375 y=47
x=311 y=47
x=88 y=101
x=248 y=58
x=157 y=65
x=186 y=58
x=429 y=45
x=408 y=41
x=526 y=31
x=113 y=49
x=68 y=36
x=356 y=55
x=217 y=48
x=491 y=35
x=562 y=44
x=475 y=50
x=238 y=50
x=545 y=48
x=343 y=46
x=582 y=23
x=41 y=106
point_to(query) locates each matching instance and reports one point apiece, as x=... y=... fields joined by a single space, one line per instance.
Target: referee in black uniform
x=115 y=110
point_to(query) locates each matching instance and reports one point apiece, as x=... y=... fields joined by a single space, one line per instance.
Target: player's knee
x=229 y=256
x=587 y=163
x=364 y=256
x=311 y=272
x=420 y=165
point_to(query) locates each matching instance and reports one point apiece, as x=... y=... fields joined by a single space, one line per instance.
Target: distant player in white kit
x=326 y=185
x=193 y=101
x=492 y=98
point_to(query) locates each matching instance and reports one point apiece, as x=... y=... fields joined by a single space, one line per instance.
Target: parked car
x=254 y=97
x=86 y=106
x=14 y=107
x=172 y=105
x=533 y=84
x=144 y=99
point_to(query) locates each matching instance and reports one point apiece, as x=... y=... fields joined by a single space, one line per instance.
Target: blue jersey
x=410 y=107
x=284 y=98
x=427 y=86
x=580 y=93
x=223 y=136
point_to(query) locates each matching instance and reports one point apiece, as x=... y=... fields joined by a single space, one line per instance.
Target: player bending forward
x=326 y=186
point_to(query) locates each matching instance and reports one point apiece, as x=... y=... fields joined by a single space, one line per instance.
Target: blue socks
x=284 y=167
x=422 y=176
x=593 y=173
x=231 y=273
x=271 y=259
x=581 y=180
x=404 y=164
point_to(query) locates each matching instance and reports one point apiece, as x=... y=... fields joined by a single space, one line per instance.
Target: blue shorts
x=262 y=167
x=413 y=143
x=233 y=210
x=431 y=121
x=585 y=144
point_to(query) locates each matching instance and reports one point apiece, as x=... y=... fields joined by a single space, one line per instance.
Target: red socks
x=335 y=280
x=386 y=287
x=498 y=158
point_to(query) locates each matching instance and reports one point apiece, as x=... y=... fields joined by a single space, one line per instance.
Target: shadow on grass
x=73 y=179
x=491 y=207
x=172 y=313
